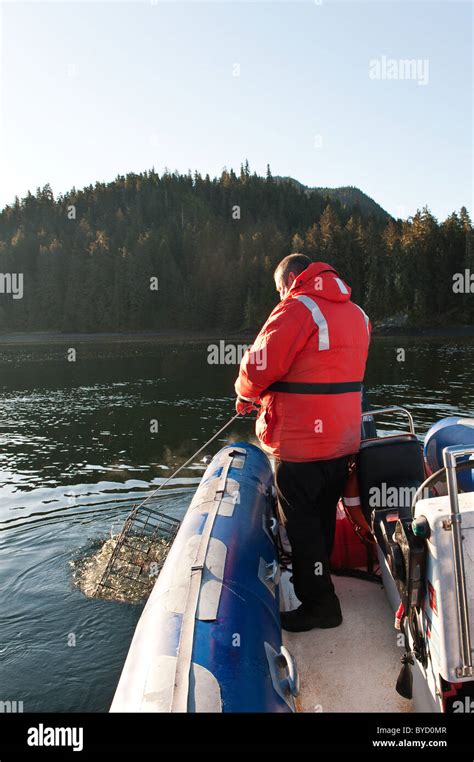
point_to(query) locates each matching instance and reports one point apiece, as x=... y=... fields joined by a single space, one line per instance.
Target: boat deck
x=353 y=667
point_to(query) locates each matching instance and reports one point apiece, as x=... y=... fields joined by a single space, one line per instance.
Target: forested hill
x=348 y=196
x=146 y=252
x=351 y=197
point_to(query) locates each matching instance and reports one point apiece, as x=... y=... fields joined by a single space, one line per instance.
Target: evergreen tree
x=89 y=257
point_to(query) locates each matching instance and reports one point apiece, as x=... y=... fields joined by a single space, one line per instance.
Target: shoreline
x=187 y=337
x=168 y=336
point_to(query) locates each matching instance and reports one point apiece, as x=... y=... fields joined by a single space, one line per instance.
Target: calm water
x=76 y=452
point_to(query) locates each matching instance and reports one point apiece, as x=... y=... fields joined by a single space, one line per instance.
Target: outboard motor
x=437 y=600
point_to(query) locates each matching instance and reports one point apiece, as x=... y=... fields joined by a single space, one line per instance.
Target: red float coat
x=306 y=367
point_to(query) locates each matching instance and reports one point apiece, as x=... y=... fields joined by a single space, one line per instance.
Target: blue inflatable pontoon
x=209 y=638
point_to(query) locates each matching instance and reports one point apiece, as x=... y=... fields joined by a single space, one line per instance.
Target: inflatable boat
x=210 y=639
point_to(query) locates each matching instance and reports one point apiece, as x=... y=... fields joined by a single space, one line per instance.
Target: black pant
x=308 y=494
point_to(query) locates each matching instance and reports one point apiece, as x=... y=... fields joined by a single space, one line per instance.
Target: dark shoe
x=302 y=619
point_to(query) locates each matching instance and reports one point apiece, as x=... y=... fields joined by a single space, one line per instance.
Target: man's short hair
x=293 y=263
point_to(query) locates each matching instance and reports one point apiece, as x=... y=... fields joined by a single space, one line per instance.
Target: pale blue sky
x=91 y=90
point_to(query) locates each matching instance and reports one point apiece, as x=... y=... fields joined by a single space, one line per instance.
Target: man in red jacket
x=305 y=369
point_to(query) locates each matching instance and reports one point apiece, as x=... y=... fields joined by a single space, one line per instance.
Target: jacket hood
x=321 y=280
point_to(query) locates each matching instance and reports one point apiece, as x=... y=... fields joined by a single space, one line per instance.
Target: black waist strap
x=292 y=387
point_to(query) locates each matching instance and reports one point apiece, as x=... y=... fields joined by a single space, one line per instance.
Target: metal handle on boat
x=292 y=680
x=395 y=409
x=274 y=526
x=450 y=455
x=274 y=572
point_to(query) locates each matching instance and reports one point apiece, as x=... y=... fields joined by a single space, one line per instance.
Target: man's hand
x=245 y=406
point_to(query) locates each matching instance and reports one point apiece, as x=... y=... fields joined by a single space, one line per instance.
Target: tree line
x=149 y=252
